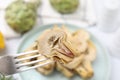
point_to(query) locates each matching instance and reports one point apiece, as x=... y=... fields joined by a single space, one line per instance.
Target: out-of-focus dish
x=65 y=6
x=101 y=65
x=71 y=52
x=21 y=16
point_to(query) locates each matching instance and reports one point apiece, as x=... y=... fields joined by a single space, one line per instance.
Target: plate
x=101 y=65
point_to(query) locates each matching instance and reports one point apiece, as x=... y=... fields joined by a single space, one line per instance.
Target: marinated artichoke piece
x=65 y=6
x=21 y=16
x=65 y=71
x=85 y=70
x=75 y=62
x=51 y=40
x=91 y=55
x=47 y=69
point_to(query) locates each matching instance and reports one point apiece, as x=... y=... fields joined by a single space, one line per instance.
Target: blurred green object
x=65 y=6
x=3 y=77
x=21 y=15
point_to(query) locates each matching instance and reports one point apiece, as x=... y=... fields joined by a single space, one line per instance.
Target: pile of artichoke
x=71 y=52
x=65 y=6
x=21 y=16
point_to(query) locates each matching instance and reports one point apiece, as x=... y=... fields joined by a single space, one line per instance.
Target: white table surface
x=105 y=38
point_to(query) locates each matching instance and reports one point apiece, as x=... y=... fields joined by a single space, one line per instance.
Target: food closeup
x=65 y=6
x=71 y=52
x=21 y=16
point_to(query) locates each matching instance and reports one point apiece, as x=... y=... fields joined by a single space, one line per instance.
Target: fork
x=11 y=64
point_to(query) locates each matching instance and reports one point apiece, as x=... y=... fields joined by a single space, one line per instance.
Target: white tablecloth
x=105 y=38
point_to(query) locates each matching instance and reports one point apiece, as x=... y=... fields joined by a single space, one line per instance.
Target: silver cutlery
x=11 y=64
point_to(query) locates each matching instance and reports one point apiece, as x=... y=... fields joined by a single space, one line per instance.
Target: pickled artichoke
x=65 y=6
x=21 y=16
x=71 y=52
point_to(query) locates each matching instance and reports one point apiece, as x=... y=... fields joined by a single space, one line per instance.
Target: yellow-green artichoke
x=65 y=6
x=21 y=15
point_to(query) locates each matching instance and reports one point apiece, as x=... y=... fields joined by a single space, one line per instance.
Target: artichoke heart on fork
x=51 y=41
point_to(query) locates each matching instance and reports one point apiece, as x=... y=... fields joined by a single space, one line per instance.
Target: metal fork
x=11 y=64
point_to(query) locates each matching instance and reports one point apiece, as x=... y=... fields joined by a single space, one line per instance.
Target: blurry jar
x=115 y=45
x=109 y=16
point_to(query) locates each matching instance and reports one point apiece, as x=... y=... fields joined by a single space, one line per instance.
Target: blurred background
x=101 y=17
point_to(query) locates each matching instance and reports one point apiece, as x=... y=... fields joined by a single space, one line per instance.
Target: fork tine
x=30 y=63
x=33 y=67
x=25 y=53
x=29 y=57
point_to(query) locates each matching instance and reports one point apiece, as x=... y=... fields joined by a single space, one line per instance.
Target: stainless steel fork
x=11 y=64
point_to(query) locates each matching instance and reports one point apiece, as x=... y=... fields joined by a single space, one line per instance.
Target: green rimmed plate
x=101 y=65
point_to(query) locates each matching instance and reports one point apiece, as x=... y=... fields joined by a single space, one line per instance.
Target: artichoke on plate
x=65 y=6
x=70 y=52
x=21 y=16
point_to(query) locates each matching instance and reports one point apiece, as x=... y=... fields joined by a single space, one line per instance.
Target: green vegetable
x=21 y=15
x=3 y=77
x=65 y=6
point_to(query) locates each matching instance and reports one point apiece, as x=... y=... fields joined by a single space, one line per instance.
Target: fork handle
x=6 y=65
